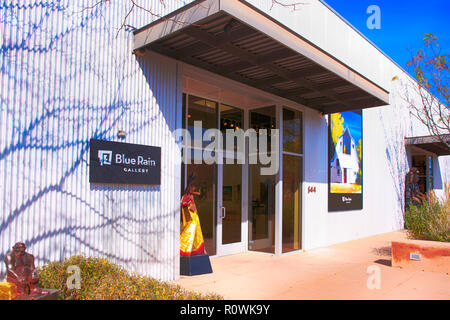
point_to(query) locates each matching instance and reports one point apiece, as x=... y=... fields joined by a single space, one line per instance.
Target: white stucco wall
x=68 y=75
x=385 y=160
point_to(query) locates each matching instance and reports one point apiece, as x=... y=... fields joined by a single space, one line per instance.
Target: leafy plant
x=431 y=219
x=103 y=280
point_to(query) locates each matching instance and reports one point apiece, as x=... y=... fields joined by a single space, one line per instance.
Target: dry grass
x=103 y=280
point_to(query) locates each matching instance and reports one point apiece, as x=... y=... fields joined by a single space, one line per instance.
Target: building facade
x=72 y=72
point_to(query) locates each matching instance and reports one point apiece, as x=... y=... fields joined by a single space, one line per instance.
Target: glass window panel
x=205 y=202
x=262 y=189
x=292 y=195
x=231 y=118
x=200 y=109
x=419 y=162
x=292 y=131
x=232 y=201
x=263 y=118
x=261 y=210
x=430 y=173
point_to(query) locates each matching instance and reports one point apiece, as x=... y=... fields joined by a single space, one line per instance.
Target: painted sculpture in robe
x=191 y=237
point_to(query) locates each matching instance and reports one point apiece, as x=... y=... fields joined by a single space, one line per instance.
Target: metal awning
x=434 y=144
x=235 y=40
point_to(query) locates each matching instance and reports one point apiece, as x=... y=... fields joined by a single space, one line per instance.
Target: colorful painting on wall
x=345 y=170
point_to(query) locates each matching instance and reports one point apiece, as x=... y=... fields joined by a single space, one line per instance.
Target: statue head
x=190 y=183
x=415 y=175
x=19 y=249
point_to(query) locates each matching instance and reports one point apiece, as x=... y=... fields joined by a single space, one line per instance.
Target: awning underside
x=434 y=144
x=226 y=46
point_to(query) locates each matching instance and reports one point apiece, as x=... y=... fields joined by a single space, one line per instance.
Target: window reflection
x=292 y=182
x=262 y=191
x=200 y=109
x=292 y=131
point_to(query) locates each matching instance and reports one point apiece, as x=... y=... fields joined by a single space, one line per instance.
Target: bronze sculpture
x=22 y=273
x=413 y=196
x=191 y=237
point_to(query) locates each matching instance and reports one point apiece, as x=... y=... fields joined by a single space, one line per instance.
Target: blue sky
x=352 y=120
x=403 y=24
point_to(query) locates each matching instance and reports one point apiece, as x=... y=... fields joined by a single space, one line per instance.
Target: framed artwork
x=345 y=162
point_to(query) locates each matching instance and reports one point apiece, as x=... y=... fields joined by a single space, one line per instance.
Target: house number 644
x=311 y=189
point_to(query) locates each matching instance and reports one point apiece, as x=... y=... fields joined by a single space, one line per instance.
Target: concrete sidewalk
x=335 y=272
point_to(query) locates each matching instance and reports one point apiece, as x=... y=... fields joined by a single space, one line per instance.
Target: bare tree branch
x=430 y=101
x=134 y=5
x=293 y=5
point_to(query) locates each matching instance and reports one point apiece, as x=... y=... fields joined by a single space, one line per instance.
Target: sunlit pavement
x=357 y=269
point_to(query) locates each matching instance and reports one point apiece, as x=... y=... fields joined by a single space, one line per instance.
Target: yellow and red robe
x=8 y=291
x=191 y=238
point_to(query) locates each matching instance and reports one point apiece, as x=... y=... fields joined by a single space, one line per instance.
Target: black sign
x=124 y=163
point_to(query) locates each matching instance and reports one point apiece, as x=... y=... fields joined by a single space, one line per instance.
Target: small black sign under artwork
x=124 y=163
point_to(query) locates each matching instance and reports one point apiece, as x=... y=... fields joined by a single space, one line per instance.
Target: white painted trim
x=279 y=186
x=267 y=99
x=237 y=247
x=175 y=22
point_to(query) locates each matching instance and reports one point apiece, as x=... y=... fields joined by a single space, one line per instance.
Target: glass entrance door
x=220 y=202
x=201 y=115
x=261 y=190
x=230 y=198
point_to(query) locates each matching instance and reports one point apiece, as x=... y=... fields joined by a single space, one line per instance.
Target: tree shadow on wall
x=59 y=93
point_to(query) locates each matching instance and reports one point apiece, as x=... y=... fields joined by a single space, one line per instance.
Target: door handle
x=224 y=212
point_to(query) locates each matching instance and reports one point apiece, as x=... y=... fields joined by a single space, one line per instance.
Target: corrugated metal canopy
x=434 y=144
x=233 y=39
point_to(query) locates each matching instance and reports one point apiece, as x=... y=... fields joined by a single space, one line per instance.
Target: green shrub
x=103 y=280
x=431 y=219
